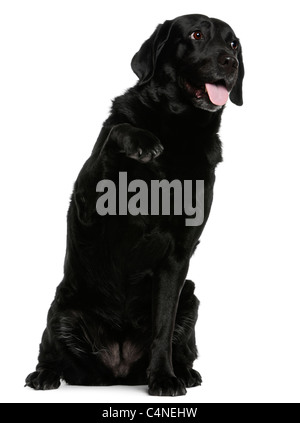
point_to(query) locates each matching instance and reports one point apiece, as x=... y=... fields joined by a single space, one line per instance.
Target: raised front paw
x=166 y=385
x=145 y=149
x=42 y=380
x=138 y=144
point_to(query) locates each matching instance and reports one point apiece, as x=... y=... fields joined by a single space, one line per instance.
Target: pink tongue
x=218 y=94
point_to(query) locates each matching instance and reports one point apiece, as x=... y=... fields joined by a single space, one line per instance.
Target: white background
x=62 y=62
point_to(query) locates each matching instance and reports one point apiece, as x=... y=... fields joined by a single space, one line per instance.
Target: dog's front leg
x=136 y=143
x=166 y=292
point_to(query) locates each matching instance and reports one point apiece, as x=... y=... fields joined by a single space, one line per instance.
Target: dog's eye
x=234 y=45
x=197 y=35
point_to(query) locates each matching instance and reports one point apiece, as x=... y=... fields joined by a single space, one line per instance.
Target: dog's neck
x=159 y=100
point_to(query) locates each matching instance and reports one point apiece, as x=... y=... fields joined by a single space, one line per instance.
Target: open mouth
x=216 y=93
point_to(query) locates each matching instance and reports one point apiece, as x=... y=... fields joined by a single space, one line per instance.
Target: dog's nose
x=229 y=63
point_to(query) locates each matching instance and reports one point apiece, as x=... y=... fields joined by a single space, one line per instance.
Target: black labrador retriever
x=124 y=312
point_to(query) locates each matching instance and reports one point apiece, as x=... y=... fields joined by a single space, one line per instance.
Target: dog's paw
x=138 y=144
x=42 y=380
x=166 y=386
x=143 y=146
x=189 y=377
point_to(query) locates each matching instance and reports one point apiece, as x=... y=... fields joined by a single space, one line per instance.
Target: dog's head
x=200 y=56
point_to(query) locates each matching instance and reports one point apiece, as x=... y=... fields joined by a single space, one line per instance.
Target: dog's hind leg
x=49 y=367
x=48 y=370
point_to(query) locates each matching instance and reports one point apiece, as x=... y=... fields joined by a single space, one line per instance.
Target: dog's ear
x=144 y=61
x=236 y=95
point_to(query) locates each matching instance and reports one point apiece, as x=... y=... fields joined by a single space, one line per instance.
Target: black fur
x=124 y=312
